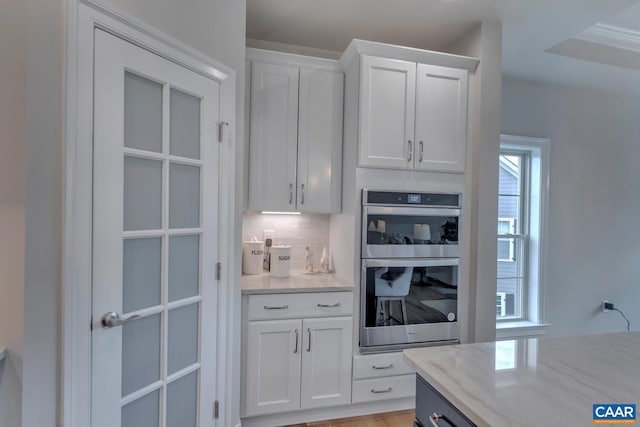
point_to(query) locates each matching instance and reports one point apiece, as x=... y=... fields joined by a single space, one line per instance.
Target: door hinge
x=216 y=409
x=220 y=125
x=218 y=271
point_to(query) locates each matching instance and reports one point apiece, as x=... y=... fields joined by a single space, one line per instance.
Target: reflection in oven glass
x=411 y=295
x=411 y=230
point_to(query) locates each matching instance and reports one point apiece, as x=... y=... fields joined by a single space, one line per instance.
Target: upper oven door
x=408 y=232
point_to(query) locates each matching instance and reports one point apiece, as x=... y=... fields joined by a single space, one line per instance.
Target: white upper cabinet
x=387 y=113
x=295 y=133
x=320 y=141
x=274 y=137
x=441 y=118
x=411 y=106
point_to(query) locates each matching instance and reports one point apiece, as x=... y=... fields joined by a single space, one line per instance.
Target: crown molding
x=610 y=35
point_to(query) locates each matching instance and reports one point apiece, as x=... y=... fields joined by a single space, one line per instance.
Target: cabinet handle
x=389 y=366
x=295 y=350
x=329 y=305
x=435 y=417
x=281 y=307
x=410 y=151
x=421 y=151
x=302 y=198
x=373 y=390
x=309 y=344
x=290 y=193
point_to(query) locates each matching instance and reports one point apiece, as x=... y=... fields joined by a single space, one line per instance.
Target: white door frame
x=83 y=16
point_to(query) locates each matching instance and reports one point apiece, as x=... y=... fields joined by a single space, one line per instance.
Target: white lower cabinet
x=382 y=376
x=298 y=363
x=273 y=366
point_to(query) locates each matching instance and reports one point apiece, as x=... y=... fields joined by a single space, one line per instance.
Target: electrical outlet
x=267 y=234
x=605 y=305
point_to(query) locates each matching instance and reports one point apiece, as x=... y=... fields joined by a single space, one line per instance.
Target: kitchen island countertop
x=537 y=381
x=298 y=281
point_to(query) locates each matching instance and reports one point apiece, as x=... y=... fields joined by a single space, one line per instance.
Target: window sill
x=520 y=329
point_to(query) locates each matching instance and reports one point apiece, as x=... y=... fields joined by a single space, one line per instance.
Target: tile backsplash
x=296 y=230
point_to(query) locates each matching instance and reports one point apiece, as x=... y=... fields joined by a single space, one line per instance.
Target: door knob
x=113 y=319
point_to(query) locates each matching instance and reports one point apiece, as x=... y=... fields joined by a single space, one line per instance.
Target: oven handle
x=410 y=211
x=410 y=262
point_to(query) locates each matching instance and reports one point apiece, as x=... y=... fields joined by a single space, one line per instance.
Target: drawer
x=380 y=365
x=385 y=388
x=429 y=401
x=297 y=305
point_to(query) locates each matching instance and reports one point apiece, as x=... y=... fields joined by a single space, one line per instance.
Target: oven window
x=410 y=295
x=411 y=230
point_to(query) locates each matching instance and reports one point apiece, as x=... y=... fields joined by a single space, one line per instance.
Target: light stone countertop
x=534 y=382
x=297 y=281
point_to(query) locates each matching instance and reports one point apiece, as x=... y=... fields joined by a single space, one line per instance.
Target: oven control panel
x=397 y=198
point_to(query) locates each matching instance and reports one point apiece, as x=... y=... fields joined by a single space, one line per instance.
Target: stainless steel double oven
x=410 y=260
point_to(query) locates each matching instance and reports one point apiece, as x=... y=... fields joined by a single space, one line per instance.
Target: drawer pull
x=282 y=307
x=434 y=418
x=329 y=305
x=309 y=343
x=373 y=390
x=389 y=366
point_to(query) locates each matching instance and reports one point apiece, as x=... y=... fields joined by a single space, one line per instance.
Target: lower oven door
x=406 y=302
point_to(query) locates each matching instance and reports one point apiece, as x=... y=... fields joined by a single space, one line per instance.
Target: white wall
x=13 y=113
x=594 y=200
x=485 y=43
x=215 y=27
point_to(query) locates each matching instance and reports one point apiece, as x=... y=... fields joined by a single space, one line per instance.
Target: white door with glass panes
x=155 y=240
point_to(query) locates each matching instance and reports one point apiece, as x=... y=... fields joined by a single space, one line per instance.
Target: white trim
x=291 y=59
x=332 y=413
x=540 y=155
x=520 y=329
x=362 y=47
x=610 y=35
x=82 y=17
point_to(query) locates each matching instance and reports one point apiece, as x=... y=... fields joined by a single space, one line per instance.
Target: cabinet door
x=320 y=141
x=441 y=118
x=326 y=362
x=274 y=136
x=273 y=366
x=387 y=111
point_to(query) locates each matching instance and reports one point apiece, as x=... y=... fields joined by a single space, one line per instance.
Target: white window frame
x=531 y=322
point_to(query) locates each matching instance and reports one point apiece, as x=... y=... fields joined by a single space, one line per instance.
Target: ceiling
x=541 y=38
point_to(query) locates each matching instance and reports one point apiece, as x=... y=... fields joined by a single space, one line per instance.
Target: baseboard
x=335 y=412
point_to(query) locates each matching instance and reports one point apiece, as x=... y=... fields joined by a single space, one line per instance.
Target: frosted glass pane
x=142 y=194
x=184 y=266
x=184 y=196
x=142 y=113
x=182 y=401
x=143 y=412
x=140 y=353
x=141 y=273
x=185 y=125
x=183 y=337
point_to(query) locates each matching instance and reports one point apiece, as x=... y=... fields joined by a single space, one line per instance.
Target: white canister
x=280 y=260
x=252 y=257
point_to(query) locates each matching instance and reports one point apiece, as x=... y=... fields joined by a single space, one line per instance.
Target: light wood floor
x=389 y=419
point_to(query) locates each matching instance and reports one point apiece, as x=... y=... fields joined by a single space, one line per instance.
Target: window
x=521 y=199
